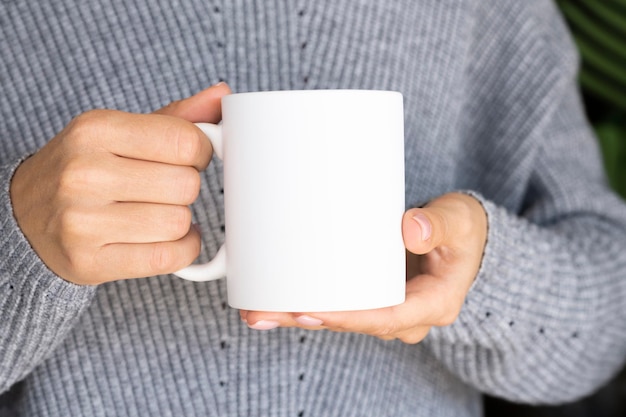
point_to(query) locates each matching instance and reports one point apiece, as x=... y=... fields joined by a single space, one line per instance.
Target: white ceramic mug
x=314 y=198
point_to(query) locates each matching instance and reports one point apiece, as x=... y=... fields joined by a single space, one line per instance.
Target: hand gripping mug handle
x=216 y=268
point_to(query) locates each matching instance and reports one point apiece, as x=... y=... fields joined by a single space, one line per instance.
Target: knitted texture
x=491 y=108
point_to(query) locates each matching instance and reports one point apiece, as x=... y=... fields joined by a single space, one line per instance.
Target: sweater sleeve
x=545 y=321
x=37 y=308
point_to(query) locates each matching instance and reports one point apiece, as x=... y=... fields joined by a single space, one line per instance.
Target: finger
x=423 y=229
x=372 y=322
x=267 y=320
x=204 y=106
x=131 y=223
x=118 y=179
x=149 y=137
x=128 y=260
x=141 y=181
x=449 y=220
x=428 y=302
x=160 y=138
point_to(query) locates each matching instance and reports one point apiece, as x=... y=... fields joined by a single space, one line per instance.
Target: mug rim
x=333 y=91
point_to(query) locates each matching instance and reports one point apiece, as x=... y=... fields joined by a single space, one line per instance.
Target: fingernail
x=424 y=225
x=308 y=321
x=264 y=325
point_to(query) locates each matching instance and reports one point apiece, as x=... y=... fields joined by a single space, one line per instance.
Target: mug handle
x=216 y=267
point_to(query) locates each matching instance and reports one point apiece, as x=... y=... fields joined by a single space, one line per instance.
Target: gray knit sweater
x=491 y=106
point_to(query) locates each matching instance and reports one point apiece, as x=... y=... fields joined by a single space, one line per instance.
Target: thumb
x=423 y=229
x=204 y=106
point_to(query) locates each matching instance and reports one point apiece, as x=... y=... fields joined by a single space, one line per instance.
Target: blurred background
x=599 y=29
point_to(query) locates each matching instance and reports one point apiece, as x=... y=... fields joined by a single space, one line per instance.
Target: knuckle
x=70 y=177
x=83 y=127
x=188 y=185
x=71 y=252
x=187 y=147
x=178 y=221
x=78 y=174
x=90 y=116
x=162 y=259
x=79 y=264
x=71 y=223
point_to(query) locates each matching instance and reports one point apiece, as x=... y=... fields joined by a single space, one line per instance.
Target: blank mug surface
x=314 y=198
